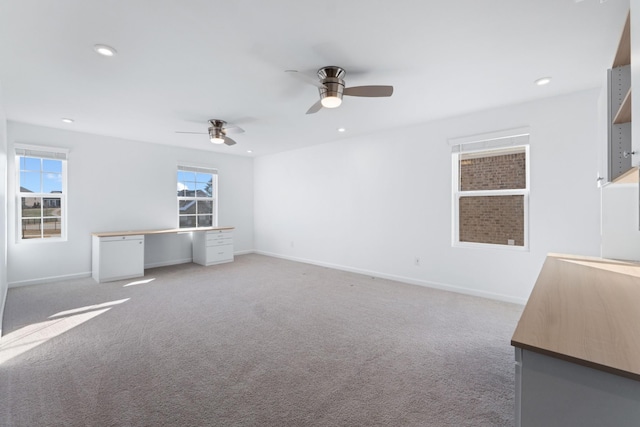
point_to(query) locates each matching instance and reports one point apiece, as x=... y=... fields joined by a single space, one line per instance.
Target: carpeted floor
x=258 y=342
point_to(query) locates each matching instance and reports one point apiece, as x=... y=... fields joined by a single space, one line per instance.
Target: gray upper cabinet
x=619 y=110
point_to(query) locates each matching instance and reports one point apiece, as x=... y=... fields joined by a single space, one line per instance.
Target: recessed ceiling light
x=104 y=50
x=249 y=151
x=543 y=81
x=66 y=120
x=342 y=130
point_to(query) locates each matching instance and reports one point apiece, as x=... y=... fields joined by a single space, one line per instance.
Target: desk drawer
x=214 y=235
x=217 y=238
x=217 y=254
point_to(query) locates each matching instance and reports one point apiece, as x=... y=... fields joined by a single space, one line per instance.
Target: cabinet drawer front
x=219 y=242
x=121 y=238
x=216 y=238
x=211 y=235
x=219 y=253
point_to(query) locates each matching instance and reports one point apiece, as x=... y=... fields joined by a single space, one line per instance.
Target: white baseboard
x=48 y=279
x=409 y=280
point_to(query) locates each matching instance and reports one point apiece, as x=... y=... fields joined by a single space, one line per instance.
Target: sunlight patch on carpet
x=31 y=336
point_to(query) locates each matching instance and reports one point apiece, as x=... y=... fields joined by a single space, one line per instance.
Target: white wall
x=115 y=185
x=3 y=210
x=373 y=203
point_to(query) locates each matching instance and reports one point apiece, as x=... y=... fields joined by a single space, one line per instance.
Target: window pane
x=49 y=165
x=52 y=183
x=51 y=227
x=497 y=170
x=31 y=228
x=205 y=207
x=492 y=219
x=30 y=164
x=187 y=207
x=30 y=182
x=203 y=177
x=31 y=207
x=189 y=188
x=185 y=182
x=186 y=176
x=187 y=221
x=204 y=184
x=205 y=220
x=51 y=206
x=202 y=189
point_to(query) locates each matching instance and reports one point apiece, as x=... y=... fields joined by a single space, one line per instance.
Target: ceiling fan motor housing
x=331 y=78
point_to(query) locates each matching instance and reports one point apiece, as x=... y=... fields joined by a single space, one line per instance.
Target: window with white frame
x=491 y=190
x=41 y=192
x=197 y=197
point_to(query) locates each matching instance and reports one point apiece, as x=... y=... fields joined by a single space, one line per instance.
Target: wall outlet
x=416 y=261
x=511 y=242
x=292 y=243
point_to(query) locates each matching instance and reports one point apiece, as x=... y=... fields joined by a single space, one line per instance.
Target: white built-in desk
x=118 y=255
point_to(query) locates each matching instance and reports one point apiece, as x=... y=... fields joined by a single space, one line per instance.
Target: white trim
x=201 y=169
x=403 y=279
x=49 y=279
x=41 y=151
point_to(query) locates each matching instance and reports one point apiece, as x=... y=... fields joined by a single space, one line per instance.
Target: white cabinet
x=212 y=247
x=117 y=257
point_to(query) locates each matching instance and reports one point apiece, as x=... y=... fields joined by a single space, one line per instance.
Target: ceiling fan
x=331 y=88
x=218 y=130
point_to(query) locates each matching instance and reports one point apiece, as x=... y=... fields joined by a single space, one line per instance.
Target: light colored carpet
x=258 y=342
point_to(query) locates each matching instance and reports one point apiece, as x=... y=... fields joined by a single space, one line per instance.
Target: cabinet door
x=120 y=259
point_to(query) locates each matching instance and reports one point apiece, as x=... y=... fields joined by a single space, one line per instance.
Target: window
x=197 y=195
x=491 y=191
x=42 y=177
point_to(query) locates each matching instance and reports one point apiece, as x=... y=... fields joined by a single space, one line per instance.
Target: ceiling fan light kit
x=331 y=89
x=332 y=86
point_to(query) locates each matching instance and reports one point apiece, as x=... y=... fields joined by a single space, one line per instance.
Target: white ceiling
x=180 y=63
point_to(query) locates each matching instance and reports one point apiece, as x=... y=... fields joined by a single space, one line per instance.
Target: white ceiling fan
x=217 y=132
x=331 y=88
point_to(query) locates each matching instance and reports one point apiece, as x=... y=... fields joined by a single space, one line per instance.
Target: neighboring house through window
x=491 y=189
x=197 y=197
x=42 y=190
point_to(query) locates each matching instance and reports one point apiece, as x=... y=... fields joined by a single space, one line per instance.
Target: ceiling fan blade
x=233 y=129
x=229 y=141
x=194 y=133
x=315 y=108
x=304 y=78
x=369 y=91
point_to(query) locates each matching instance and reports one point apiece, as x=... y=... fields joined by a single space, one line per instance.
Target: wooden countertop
x=586 y=311
x=167 y=231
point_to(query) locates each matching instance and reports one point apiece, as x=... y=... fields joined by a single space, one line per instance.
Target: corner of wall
x=3 y=210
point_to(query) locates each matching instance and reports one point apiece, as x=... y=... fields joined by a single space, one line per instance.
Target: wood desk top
x=166 y=231
x=586 y=311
